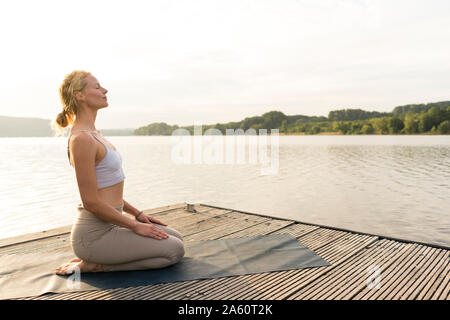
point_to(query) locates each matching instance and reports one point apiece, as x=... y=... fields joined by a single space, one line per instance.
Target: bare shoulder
x=81 y=138
x=82 y=142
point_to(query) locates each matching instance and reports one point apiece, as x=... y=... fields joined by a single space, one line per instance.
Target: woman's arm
x=128 y=208
x=139 y=215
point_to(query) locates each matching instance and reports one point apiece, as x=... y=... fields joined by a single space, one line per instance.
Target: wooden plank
x=127 y=293
x=335 y=250
x=436 y=280
x=321 y=288
x=319 y=238
x=297 y=230
x=152 y=292
x=248 y=286
x=196 y=290
x=389 y=273
x=362 y=281
x=209 y=223
x=405 y=278
x=408 y=284
x=349 y=288
x=123 y=293
x=439 y=293
x=175 y=214
x=263 y=228
x=186 y=220
x=196 y=219
x=425 y=280
x=350 y=271
x=13 y=241
x=399 y=272
x=49 y=244
x=64 y=296
x=167 y=208
x=292 y=294
x=446 y=292
x=234 y=225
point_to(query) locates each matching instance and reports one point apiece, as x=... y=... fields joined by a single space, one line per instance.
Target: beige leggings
x=120 y=249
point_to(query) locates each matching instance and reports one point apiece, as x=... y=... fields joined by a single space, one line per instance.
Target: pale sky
x=209 y=61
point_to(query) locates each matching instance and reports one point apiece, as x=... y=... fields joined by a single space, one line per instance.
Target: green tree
x=342 y=127
x=425 y=122
x=432 y=118
x=354 y=114
x=250 y=122
x=257 y=127
x=447 y=113
x=444 y=127
x=436 y=115
x=395 y=125
x=367 y=129
x=355 y=127
x=156 y=128
x=315 y=129
x=305 y=127
x=382 y=125
x=273 y=119
x=411 y=123
x=284 y=126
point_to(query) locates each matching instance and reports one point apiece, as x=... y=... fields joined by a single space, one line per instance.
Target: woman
x=102 y=237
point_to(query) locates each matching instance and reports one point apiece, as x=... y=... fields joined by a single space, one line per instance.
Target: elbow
x=91 y=206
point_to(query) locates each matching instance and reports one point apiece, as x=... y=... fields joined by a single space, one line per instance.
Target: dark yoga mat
x=24 y=275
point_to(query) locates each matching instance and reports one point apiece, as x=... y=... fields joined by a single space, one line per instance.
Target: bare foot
x=84 y=266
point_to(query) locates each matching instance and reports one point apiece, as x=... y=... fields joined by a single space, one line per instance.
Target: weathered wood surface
x=406 y=270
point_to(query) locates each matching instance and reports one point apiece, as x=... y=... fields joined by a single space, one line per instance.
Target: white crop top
x=109 y=170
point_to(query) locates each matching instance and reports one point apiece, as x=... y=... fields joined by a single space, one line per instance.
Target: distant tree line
x=434 y=121
x=432 y=118
x=156 y=128
x=24 y=127
x=355 y=114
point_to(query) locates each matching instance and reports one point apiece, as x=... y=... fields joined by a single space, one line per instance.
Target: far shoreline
x=332 y=133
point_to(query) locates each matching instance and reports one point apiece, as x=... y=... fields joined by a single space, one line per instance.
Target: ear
x=78 y=95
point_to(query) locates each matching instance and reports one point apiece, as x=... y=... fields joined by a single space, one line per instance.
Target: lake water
x=389 y=185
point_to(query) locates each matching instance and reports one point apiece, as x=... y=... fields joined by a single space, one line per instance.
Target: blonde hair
x=74 y=81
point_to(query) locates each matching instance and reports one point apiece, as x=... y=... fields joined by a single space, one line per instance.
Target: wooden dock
x=405 y=270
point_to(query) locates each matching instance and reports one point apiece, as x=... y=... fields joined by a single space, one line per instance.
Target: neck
x=86 y=120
